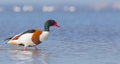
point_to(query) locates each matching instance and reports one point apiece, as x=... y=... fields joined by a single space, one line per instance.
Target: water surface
x=84 y=38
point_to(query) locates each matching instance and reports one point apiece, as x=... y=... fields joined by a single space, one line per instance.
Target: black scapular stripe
x=29 y=31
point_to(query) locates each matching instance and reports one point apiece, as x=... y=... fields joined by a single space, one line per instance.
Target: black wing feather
x=28 y=31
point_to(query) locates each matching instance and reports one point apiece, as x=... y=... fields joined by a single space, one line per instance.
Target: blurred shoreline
x=115 y=7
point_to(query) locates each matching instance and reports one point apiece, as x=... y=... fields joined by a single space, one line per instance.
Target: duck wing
x=17 y=36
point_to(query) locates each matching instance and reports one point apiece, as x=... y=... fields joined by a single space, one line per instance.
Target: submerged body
x=32 y=37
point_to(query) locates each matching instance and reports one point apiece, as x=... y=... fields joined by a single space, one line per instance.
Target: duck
x=33 y=37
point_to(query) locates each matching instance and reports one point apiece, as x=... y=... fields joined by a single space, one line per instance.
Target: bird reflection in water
x=29 y=56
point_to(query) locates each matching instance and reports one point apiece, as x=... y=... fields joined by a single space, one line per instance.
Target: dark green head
x=49 y=23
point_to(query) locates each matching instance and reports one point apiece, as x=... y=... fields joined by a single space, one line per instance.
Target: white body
x=26 y=39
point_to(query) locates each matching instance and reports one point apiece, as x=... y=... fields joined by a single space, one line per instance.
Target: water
x=84 y=38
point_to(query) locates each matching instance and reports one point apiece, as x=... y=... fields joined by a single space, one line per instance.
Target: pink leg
x=36 y=48
x=25 y=48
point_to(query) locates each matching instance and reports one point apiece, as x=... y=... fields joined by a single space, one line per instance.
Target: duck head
x=50 y=23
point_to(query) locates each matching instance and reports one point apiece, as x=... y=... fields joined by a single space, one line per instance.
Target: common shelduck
x=32 y=37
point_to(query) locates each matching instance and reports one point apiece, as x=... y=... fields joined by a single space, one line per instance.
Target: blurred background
x=27 y=14
x=89 y=33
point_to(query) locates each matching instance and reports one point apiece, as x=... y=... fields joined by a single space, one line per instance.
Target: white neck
x=44 y=35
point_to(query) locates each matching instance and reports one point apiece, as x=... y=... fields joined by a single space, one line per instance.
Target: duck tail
x=9 y=38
